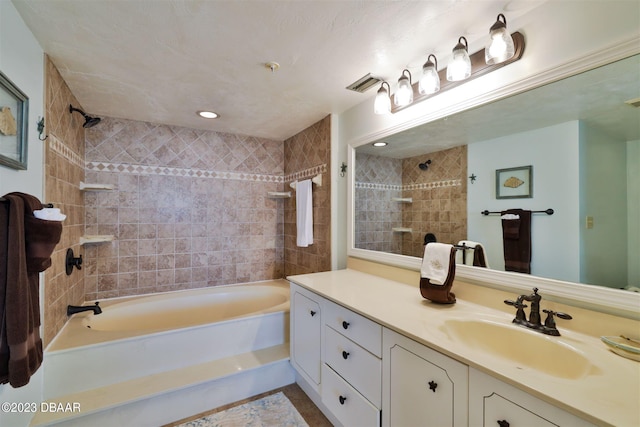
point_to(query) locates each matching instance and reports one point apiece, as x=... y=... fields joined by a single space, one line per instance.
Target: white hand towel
x=304 y=213
x=50 y=214
x=435 y=263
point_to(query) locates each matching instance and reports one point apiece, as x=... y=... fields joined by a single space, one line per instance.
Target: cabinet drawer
x=360 y=368
x=358 y=328
x=348 y=406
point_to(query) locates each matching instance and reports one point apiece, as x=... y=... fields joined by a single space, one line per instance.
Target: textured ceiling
x=162 y=60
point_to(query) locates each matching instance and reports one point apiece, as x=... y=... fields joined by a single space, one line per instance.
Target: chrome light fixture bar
x=479 y=67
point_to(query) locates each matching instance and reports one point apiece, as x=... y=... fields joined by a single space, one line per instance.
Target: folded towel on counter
x=50 y=214
x=516 y=239
x=26 y=244
x=435 y=263
x=304 y=213
x=474 y=256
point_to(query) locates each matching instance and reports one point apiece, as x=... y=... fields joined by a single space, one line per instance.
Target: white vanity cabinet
x=493 y=403
x=421 y=385
x=352 y=368
x=306 y=330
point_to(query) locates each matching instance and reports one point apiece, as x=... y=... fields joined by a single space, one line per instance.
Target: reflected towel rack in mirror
x=548 y=212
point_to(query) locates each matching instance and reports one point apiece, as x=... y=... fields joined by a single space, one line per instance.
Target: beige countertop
x=608 y=395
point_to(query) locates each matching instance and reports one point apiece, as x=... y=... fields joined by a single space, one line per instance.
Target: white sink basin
x=526 y=348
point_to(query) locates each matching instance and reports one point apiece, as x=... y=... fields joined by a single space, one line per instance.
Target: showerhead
x=89 y=121
x=424 y=166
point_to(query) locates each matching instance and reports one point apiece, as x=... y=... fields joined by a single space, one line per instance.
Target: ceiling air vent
x=633 y=102
x=364 y=83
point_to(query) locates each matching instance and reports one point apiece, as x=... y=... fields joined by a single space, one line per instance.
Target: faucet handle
x=550 y=322
x=516 y=304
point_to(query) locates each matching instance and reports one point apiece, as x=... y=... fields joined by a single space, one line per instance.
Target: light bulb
x=500 y=45
x=382 y=104
x=430 y=81
x=404 y=94
x=460 y=65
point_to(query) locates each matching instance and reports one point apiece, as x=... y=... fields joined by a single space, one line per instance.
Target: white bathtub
x=152 y=335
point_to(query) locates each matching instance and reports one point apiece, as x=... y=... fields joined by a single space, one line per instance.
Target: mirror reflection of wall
x=583 y=142
x=399 y=201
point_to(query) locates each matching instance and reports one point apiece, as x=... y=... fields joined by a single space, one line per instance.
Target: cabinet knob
x=342 y=399
x=433 y=386
x=345 y=324
x=345 y=355
x=503 y=423
x=313 y=313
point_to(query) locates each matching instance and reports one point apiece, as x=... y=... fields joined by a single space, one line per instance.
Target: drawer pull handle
x=433 y=386
x=313 y=313
x=342 y=399
x=503 y=423
x=345 y=324
x=345 y=355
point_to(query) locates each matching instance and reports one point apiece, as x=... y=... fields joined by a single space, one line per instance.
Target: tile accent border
x=57 y=146
x=420 y=186
x=202 y=173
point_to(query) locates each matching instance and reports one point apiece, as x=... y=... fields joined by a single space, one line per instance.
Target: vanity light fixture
x=500 y=45
x=460 y=65
x=404 y=94
x=208 y=114
x=430 y=81
x=382 y=104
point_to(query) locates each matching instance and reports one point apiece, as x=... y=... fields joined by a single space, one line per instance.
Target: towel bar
x=316 y=180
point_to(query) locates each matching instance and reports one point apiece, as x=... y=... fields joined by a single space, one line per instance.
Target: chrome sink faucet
x=549 y=327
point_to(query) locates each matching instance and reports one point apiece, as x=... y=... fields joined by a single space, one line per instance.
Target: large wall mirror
x=572 y=146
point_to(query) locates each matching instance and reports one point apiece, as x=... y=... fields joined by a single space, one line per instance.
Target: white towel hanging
x=304 y=214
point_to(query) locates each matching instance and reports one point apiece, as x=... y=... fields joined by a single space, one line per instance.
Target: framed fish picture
x=14 y=114
x=514 y=183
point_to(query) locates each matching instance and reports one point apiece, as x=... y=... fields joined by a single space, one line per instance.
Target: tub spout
x=73 y=309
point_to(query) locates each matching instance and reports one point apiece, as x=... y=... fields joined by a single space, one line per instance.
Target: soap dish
x=624 y=347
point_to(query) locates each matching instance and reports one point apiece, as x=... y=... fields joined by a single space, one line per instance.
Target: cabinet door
x=493 y=403
x=305 y=340
x=421 y=387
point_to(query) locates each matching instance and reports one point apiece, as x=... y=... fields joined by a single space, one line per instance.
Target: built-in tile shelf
x=104 y=238
x=402 y=199
x=279 y=194
x=95 y=187
x=402 y=230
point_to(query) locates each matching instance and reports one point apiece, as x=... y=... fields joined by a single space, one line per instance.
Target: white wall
x=633 y=206
x=556 y=34
x=603 y=197
x=555 y=238
x=21 y=60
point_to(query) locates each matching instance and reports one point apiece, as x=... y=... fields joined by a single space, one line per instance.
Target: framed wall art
x=14 y=117
x=514 y=183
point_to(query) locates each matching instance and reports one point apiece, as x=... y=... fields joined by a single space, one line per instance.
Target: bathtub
x=152 y=335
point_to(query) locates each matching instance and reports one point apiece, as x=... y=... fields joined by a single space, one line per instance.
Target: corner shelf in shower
x=402 y=199
x=104 y=238
x=279 y=194
x=95 y=187
x=402 y=230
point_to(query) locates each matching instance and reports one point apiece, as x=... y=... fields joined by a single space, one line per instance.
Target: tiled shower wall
x=378 y=183
x=64 y=169
x=189 y=208
x=306 y=154
x=438 y=201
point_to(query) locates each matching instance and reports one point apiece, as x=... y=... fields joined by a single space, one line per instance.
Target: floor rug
x=270 y=411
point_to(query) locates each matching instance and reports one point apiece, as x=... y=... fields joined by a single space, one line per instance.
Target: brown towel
x=27 y=244
x=517 y=241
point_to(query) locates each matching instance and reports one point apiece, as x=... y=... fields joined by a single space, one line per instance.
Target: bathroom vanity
x=371 y=351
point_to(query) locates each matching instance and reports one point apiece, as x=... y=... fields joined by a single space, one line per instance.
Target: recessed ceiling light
x=380 y=144
x=208 y=114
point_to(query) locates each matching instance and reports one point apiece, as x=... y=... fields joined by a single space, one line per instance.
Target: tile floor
x=311 y=414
